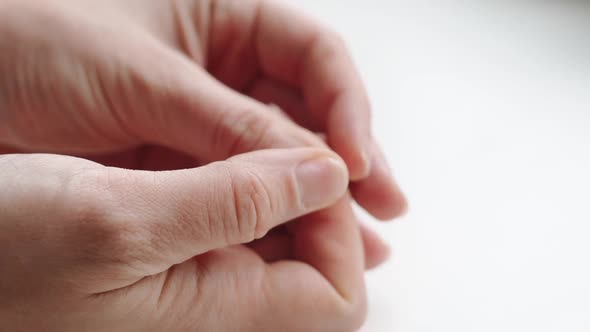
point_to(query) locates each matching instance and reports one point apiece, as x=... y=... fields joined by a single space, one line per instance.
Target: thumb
x=180 y=214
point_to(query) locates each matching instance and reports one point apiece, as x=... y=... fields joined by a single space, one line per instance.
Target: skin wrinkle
x=7 y=86
x=227 y=215
x=74 y=72
x=65 y=69
x=101 y=95
x=130 y=238
x=231 y=45
x=262 y=202
x=211 y=33
x=97 y=94
x=211 y=231
x=185 y=220
x=156 y=88
x=252 y=41
x=253 y=134
x=330 y=98
x=189 y=41
x=247 y=189
x=299 y=71
x=293 y=78
x=124 y=79
x=254 y=202
x=165 y=287
x=26 y=74
x=196 y=301
x=4 y=93
x=213 y=38
x=245 y=128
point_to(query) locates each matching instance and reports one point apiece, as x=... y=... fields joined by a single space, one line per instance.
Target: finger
x=278 y=246
x=376 y=250
x=379 y=193
x=194 y=113
x=325 y=285
x=220 y=290
x=329 y=241
x=327 y=238
x=179 y=105
x=287 y=98
x=176 y=215
x=298 y=51
x=246 y=37
x=274 y=247
x=232 y=289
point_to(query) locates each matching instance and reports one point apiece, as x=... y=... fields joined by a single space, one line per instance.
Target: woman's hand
x=91 y=248
x=94 y=78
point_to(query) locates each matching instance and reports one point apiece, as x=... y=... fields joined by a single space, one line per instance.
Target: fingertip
x=383 y=206
x=399 y=205
x=378 y=260
x=379 y=193
x=322 y=180
x=361 y=167
x=357 y=160
x=403 y=206
x=377 y=251
x=351 y=139
x=396 y=208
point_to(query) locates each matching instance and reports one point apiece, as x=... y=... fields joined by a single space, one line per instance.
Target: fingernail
x=363 y=168
x=366 y=158
x=322 y=181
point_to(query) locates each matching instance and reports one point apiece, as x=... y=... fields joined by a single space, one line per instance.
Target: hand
x=87 y=247
x=123 y=79
x=190 y=75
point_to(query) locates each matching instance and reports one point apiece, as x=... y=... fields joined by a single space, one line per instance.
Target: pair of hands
x=161 y=216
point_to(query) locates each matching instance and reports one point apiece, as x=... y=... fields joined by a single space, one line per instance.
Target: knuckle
x=330 y=44
x=358 y=315
x=352 y=313
x=101 y=227
x=251 y=208
x=241 y=131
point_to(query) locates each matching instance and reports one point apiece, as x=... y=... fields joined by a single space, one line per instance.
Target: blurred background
x=483 y=108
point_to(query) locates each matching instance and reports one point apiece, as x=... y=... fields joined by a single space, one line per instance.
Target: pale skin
x=166 y=208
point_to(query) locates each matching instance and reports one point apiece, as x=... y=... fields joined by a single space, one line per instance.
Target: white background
x=483 y=108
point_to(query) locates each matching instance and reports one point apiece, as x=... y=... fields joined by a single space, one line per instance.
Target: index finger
x=296 y=50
